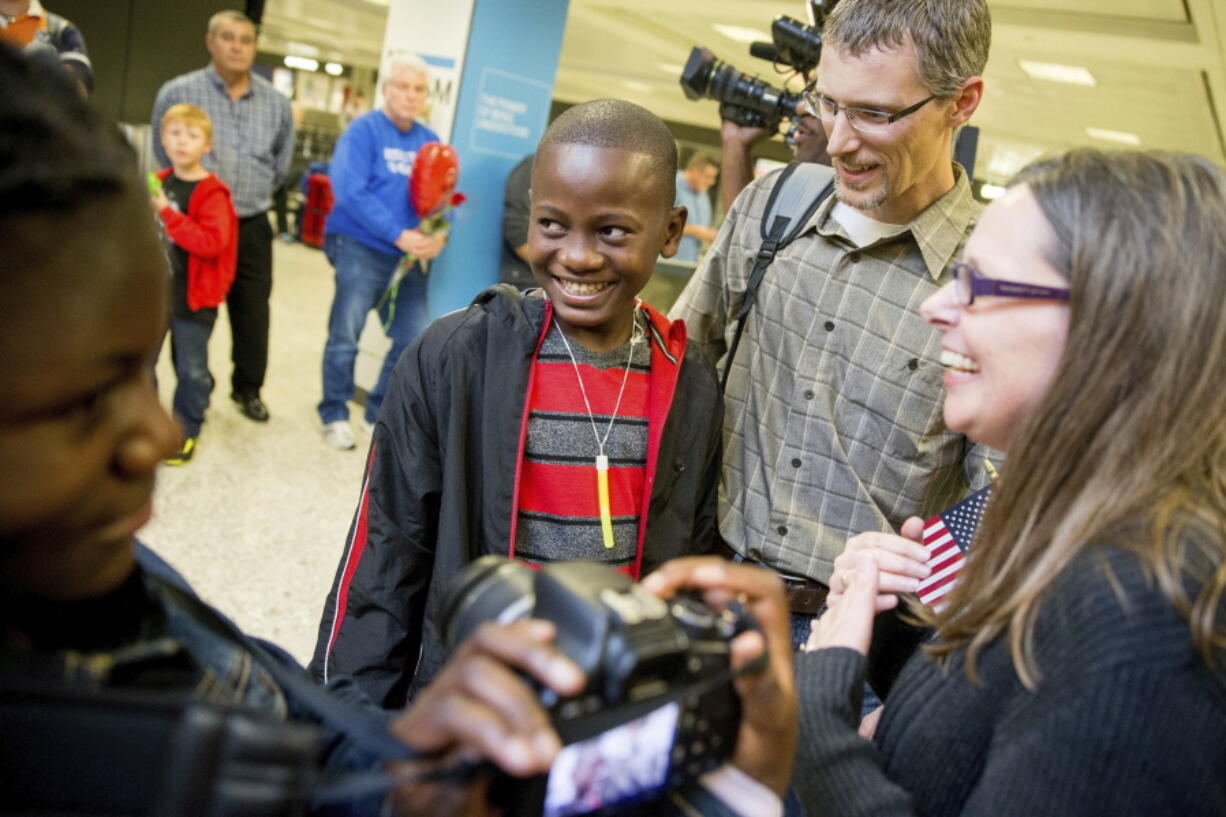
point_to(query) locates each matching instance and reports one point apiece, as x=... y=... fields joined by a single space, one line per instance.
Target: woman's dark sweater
x=1127 y=718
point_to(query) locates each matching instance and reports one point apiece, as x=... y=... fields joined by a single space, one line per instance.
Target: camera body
x=748 y=100
x=659 y=708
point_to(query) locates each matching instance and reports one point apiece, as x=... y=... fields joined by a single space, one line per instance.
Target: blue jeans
x=362 y=276
x=189 y=352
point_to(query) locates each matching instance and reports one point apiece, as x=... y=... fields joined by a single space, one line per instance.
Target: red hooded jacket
x=208 y=232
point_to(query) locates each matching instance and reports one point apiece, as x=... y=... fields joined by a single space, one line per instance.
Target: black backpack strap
x=798 y=192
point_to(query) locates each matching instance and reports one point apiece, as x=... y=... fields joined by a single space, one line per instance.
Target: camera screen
x=619 y=766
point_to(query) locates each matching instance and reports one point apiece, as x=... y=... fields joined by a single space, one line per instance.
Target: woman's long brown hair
x=1128 y=445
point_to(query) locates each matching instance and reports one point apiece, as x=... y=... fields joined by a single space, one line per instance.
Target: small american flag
x=948 y=536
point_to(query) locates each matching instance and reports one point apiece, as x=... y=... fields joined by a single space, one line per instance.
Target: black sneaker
x=251 y=406
x=185 y=453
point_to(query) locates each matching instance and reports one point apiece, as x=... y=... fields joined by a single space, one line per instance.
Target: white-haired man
x=253 y=142
x=371 y=228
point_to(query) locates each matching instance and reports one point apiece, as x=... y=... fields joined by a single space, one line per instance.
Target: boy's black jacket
x=440 y=484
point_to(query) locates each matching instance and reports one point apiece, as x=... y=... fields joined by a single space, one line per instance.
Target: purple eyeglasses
x=969 y=282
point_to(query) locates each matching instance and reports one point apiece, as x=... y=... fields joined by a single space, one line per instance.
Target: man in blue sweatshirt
x=371 y=228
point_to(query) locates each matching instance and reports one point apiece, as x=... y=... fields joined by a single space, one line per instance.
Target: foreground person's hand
x=766 y=743
x=479 y=707
x=902 y=562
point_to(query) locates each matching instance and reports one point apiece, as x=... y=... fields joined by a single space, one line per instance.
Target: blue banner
x=506 y=86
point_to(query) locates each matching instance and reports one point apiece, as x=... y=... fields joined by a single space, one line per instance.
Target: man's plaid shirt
x=832 y=421
x=253 y=136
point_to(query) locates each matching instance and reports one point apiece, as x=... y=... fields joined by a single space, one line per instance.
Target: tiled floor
x=257 y=520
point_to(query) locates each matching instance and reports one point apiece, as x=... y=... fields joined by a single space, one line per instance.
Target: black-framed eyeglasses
x=865 y=120
x=969 y=282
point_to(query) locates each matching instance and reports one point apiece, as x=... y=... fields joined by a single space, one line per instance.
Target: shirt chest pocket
x=892 y=407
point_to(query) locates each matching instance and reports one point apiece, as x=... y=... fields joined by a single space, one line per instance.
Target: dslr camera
x=748 y=100
x=659 y=708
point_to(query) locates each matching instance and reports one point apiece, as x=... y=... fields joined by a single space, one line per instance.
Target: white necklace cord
x=636 y=336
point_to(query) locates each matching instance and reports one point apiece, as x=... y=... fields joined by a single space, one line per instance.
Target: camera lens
x=492 y=588
x=743 y=99
x=696 y=75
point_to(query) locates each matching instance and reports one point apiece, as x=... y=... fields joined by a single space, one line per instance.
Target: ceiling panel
x=349 y=31
x=1158 y=64
x=1170 y=10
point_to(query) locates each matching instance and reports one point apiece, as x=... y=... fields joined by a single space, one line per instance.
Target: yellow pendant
x=602 y=490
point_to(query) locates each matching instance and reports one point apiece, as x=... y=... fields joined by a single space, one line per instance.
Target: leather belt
x=805 y=596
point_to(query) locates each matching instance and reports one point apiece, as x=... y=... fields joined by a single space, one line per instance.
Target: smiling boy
x=578 y=425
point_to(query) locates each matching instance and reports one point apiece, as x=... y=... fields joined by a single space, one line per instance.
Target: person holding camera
x=101 y=642
x=832 y=422
x=121 y=691
x=807 y=139
x=688 y=706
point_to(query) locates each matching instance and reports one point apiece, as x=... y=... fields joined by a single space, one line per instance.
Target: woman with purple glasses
x=1079 y=666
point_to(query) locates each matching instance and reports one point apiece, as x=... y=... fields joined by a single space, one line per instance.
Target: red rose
x=432 y=182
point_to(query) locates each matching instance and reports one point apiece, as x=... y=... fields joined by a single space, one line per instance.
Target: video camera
x=748 y=100
x=659 y=708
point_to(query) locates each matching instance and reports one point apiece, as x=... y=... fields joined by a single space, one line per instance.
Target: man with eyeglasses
x=832 y=420
x=253 y=142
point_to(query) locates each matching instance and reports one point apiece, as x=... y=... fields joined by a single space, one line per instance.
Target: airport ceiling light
x=334 y=68
x=988 y=192
x=302 y=63
x=1119 y=137
x=1055 y=72
x=742 y=34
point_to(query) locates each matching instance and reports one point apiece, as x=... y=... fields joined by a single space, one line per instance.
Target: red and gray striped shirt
x=558 y=511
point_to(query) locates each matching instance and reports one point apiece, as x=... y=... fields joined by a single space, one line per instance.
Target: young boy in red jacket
x=202 y=243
